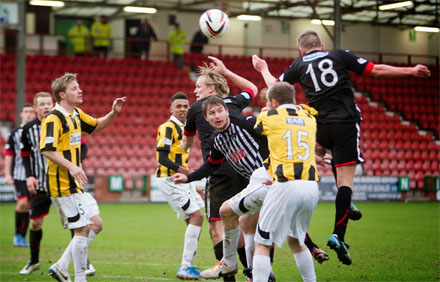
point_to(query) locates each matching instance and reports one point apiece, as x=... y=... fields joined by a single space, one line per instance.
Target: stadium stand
x=393 y=111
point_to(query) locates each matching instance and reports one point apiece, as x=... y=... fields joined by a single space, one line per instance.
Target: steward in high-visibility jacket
x=79 y=36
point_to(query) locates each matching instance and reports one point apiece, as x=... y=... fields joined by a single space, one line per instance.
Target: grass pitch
x=144 y=242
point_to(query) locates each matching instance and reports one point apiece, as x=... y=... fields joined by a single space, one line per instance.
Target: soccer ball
x=214 y=23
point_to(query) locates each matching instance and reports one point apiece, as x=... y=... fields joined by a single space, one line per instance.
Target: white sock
x=249 y=246
x=230 y=244
x=65 y=259
x=79 y=255
x=304 y=262
x=261 y=268
x=190 y=245
x=92 y=236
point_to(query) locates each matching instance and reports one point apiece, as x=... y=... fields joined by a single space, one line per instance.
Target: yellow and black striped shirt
x=169 y=137
x=291 y=134
x=61 y=131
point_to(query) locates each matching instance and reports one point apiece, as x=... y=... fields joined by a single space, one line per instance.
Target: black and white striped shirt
x=12 y=148
x=33 y=161
x=240 y=145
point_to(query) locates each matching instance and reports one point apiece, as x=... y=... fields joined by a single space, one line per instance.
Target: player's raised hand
x=117 y=104
x=259 y=64
x=421 y=71
x=180 y=178
x=217 y=63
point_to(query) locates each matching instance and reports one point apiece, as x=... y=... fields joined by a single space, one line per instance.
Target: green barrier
x=115 y=183
x=431 y=183
x=403 y=184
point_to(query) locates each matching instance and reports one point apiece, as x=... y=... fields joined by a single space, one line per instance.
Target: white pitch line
x=132 y=263
x=144 y=278
x=136 y=277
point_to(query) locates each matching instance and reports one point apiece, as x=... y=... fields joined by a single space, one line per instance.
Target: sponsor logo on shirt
x=295 y=121
x=75 y=138
x=236 y=156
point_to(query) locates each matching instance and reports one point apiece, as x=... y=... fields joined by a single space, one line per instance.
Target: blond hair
x=60 y=84
x=39 y=95
x=309 y=40
x=213 y=77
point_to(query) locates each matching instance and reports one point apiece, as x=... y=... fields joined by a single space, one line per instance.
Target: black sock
x=218 y=250
x=242 y=256
x=35 y=239
x=229 y=278
x=21 y=222
x=272 y=253
x=309 y=243
x=343 y=200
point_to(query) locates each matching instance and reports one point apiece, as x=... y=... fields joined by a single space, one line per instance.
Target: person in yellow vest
x=101 y=33
x=177 y=40
x=79 y=36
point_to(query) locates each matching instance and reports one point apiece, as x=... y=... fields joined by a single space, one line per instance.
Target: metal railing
x=125 y=47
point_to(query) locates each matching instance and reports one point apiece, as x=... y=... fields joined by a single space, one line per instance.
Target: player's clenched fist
x=180 y=178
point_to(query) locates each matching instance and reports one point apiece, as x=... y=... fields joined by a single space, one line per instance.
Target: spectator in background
x=79 y=36
x=197 y=43
x=144 y=35
x=15 y=175
x=177 y=40
x=101 y=33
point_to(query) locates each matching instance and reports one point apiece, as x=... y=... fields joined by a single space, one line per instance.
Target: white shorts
x=76 y=210
x=287 y=211
x=250 y=199
x=183 y=198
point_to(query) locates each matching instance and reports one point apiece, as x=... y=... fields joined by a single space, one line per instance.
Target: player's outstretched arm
x=260 y=66
x=383 y=70
x=75 y=171
x=104 y=121
x=240 y=81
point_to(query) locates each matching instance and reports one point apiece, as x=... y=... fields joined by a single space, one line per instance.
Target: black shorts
x=343 y=139
x=21 y=191
x=40 y=205
x=101 y=48
x=220 y=188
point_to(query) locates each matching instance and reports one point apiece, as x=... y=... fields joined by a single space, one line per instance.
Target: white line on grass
x=134 y=263
x=136 y=277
